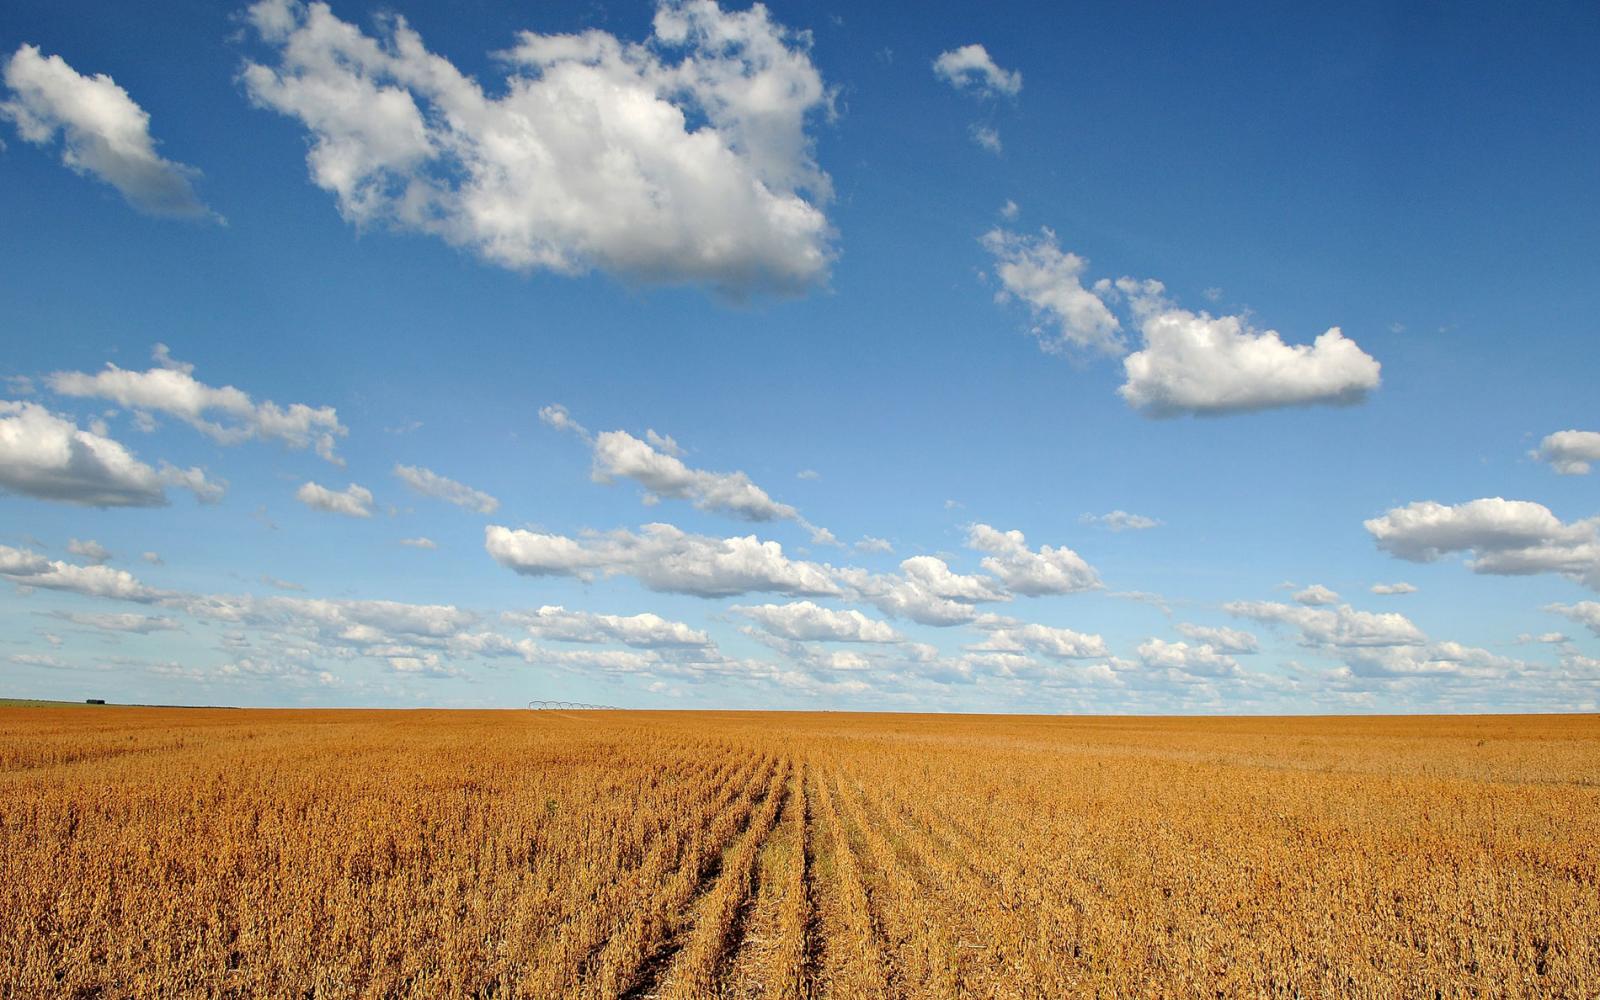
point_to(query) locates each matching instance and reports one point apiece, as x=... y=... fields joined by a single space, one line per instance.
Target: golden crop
x=176 y=853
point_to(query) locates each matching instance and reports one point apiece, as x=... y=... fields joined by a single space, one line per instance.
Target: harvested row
x=698 y=965
x=853 y=949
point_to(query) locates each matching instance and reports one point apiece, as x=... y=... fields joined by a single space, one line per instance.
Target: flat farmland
x=177 y=853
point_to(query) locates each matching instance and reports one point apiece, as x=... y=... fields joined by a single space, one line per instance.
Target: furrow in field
x=610 y=932
x=922 y=945
x=769 y=961
x=636 y=960
x=852 y=954
x=702 y=964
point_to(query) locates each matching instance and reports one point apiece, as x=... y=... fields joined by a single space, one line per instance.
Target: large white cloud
x=1341 y=627
x=1222 y=638
x=1570 y=452
x=48 y=457
x=664 y=558
x=104 y=133
x=1024 y=571
x=926 y=590
x=1586 y=613
x=1048 y=640
x=29 y=569
x=971 y=68
x=352 y=501
x=1194 y=661
x=226 y=415
x=431 y=484
x=643 y=631
x=1504 y=537
x=1188 y=363
x=1037 y=271
x=810 y=622
x=620 y=454
x=1196 y=363
x=685 y=158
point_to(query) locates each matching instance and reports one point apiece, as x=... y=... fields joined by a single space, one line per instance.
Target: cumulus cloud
x=1341 y=627
x=1585 y=613
x=664 y=475
x=1024 y=571
x=870 y=544
x=1569 y=452
x=1435 y=659
x=1120 y=520
x=1502 y=537
x=1392 y=589
x=1188 y=363
x=685 y=158
x=987 y=137
x=419 y=543
x=153 y=558
x=1316 y=595
x=971 y=68
x=1195 y=661
x=120 y=622
x=1047 y=640
x=926 y=590
x=664 y=558
x=226 y=415
x=1221 y=638
x=1199 y=364
x=29 y=569
x=1035 y=270
x=810 y=622
x=48 y=457
x=104 y=133
x=431 y=484
x=642 y=631
x=352 y=501
x=89 y=550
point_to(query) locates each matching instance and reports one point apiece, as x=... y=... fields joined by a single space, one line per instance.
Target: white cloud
x=431 y=484
x=1342 y=627
x=1120 y=520
x=971 y=68
x=172 y=389
x=811 y=474
x=1195 y=661
x=1054 y=642
x=153 y=558
x=89 y=550
x=1221 y=638
x=1391 y=589
x=194 y=480
x=1437 y=659
x=1196 y=363
x=29 y=569
x=352 y=501
x=1035 y=270
x=47 y=457
x=1047 y=571
x=1569 y=452
x=419 y=543
x=121 y=622
x=1316 y=595
x=681 y=159
x=1585 y=613
x=870 y=544
x=620 y=454
x=642 y=631
x=1503 y=537
x=926 y=591
x=104 y=133
x=806 y=621
x=664 y=558
x=987 y=137
x=1009 y=211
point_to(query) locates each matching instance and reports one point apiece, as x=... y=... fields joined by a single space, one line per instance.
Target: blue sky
x=796 y=356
